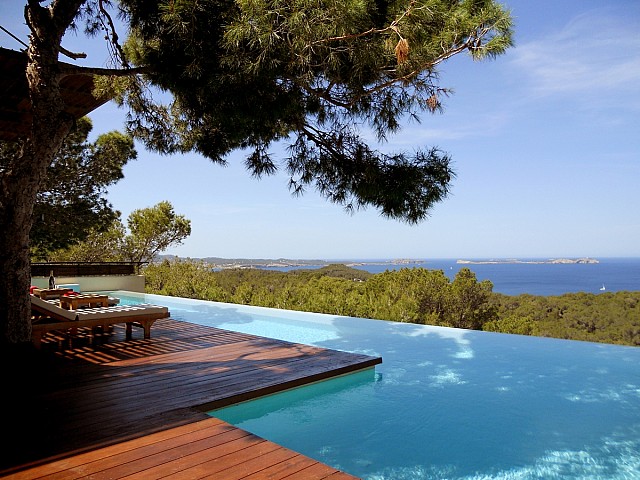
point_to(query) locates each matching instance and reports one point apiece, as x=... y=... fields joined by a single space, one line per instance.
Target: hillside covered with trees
x=415 y=295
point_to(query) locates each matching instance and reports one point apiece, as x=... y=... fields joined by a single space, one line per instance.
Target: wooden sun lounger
x=54 y=317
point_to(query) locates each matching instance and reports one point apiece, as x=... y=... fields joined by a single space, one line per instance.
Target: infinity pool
x=445 y=403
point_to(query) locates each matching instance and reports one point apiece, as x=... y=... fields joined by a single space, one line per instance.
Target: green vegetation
x=415 y=295
x=75 y=186
x=606 y=317
x=152 y=230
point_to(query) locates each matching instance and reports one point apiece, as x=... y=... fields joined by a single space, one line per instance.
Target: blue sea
x=609 y=275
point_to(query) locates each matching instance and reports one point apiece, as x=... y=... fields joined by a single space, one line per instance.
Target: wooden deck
x=137 y=407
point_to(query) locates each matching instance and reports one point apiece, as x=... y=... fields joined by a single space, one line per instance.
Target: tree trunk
x=20 y=182
x=16 y=206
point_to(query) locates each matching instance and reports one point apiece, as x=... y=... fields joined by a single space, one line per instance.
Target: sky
x=545 y=142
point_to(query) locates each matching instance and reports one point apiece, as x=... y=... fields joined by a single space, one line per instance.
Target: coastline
x=242 y=263
x=290 y=263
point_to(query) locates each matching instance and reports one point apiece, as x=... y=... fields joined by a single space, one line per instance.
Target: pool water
x=445 y=403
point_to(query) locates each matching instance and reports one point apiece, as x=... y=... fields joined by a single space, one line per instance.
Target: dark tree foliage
x=250 y=73
x=72 y=198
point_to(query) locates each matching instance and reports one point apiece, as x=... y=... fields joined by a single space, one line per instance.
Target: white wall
x=131 y=283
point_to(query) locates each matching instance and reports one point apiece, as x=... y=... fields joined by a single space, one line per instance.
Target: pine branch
x=70 y=54
x=67 y=69
x=393 y=26
x=113 y=35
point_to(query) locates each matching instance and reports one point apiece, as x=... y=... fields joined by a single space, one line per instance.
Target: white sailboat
x=602 y=289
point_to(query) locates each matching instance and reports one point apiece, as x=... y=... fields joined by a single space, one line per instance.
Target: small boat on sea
x=602 y=289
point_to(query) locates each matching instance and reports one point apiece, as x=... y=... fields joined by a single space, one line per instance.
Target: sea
x=527 y=276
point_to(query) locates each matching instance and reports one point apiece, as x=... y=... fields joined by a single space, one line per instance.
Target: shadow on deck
x=63 y=402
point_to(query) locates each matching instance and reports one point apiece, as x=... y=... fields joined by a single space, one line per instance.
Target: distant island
x=513 y=260
x=397 y=261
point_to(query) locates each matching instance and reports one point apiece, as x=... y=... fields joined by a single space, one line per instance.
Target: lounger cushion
x=121 y=311
x=116 y=311
x=53 y=310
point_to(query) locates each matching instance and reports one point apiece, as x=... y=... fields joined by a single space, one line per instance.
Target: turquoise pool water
x=445 y=403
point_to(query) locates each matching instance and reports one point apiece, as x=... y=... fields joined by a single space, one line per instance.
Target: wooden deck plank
x=135 y=408
x=282 y=469
x=181 y=456
x=320 y=471
x=218 y=451
x=256 y=464
x=138 y=460
x=133 y=450
x=238 y=453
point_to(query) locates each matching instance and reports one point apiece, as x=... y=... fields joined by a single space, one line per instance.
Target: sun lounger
x=50 y=317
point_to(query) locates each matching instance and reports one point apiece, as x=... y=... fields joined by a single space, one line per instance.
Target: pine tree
x=246 y=74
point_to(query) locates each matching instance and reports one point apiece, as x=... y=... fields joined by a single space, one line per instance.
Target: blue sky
x=545 y=141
